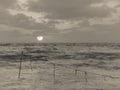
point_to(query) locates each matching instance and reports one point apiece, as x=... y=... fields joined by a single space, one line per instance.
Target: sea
x=61 y=51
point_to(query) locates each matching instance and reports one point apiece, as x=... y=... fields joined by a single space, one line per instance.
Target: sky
x=60 y=20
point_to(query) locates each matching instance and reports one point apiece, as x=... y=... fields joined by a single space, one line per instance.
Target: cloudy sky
x=60 y=20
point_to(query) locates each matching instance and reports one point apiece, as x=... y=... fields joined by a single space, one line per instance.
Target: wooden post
x=76 y=70
x=21 y=58
x=86 y=80
x=31 y=64
x=54 y=71
x=104 y=78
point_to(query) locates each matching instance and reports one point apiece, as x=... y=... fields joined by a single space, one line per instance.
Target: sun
x=39 y=38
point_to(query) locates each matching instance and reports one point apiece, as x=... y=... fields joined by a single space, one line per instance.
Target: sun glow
x=39 y=38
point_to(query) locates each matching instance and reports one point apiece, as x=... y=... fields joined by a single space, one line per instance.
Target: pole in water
x=31 y=64
x=86 y=80
x=104 y=78
x=54 y=72
x=76 y=70
x=21 y=58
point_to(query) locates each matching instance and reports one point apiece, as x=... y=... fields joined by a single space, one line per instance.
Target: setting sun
x=39 y=38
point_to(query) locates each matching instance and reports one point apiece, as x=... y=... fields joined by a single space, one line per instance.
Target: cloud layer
x=70 y=19
x=69 y=9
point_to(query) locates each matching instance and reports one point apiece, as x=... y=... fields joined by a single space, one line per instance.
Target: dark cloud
x=21 y=21
x=7 y=3
x=69 y=9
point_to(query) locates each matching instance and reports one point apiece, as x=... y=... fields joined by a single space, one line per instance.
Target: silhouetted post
x=54 y=71
x=76 y=70
x=86 y=80
x=31 y=63
x=104 y=78
x=21 y=58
